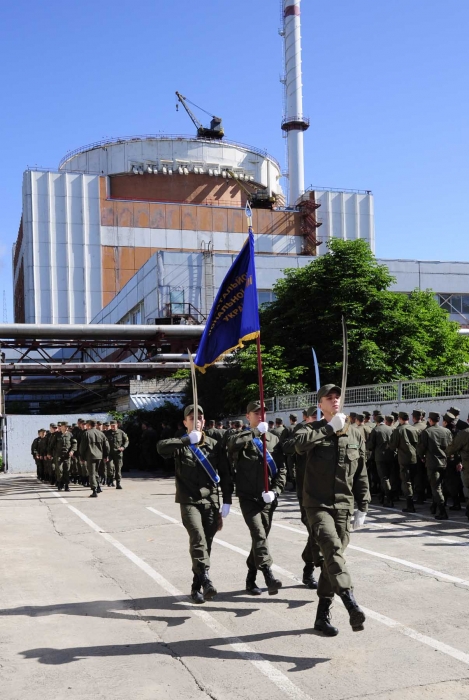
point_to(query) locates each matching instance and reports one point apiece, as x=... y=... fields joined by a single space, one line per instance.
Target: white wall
x=21 y=431
x=345 y=215
x=61 y=247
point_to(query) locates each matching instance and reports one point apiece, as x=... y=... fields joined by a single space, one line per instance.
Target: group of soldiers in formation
x=333 y=461
x=89 y=453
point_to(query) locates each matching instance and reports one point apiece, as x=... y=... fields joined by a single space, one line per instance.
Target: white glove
x=268 y=497
x=195 y=436
x=358 y=519
x=225 y=510
x=338 y=421
x=263 y=427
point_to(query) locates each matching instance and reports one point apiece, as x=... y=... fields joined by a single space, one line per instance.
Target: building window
x=176 y=298
x=134 y=317
x=454 y=303
x=265 y=296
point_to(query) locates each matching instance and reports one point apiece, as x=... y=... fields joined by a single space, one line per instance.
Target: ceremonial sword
x=344 y=365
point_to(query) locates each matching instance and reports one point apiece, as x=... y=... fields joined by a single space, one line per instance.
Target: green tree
x=391 y=336
x=224 y=391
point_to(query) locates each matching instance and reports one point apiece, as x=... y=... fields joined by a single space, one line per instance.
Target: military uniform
x=311 y=555
x=118 y=441
x=64 y=445
x=460 y=445
x=250 y=485
x=198 y=497
x=404 y=439
x=93 y=448
x=50 y=464
x=35 y=455
x=431 y=447
x=42 y=454
x=377 y=443
x=335 y=477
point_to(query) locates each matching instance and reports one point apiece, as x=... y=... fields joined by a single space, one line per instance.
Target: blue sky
x=385 y=87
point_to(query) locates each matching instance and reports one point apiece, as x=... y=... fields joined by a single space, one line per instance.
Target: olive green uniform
x=42 y=452
x=35 y=454
x=64 y=444
x=460 y=444
x=118 y=441
x=312 y=553
x=432 y=445
x=50 y=462
x=335 y=475
x=377 y=442
x=250 y=483
x=93 y=448
x=404 y=439
x=197 y=495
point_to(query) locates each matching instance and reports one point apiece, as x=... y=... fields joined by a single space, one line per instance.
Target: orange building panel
x=124 y=277
x=237 y=222
x=125 y=214
x=204 y=218
x=157 y=215
x=109 y=280
x=126 y=258
x=108 y=213
x=219 y=219
x=107 y=298
x=173 y=216
x=108 y=257
x=141 y=257
x=189 y=218
x=141 y=214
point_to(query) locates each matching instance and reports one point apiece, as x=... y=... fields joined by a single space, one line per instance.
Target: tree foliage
x=391 y=336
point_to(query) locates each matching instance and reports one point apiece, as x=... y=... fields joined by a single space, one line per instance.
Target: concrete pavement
x=94 y=603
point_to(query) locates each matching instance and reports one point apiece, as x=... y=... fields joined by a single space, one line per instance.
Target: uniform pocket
x=352 y=454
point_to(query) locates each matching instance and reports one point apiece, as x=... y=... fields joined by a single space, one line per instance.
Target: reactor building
x=140 y=228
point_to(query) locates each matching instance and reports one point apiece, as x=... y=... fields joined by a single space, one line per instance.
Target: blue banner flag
x=234 y=317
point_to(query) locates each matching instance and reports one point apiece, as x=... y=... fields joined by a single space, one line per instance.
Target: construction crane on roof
x=215 y=131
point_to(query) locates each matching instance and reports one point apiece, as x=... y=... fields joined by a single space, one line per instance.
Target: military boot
x=196 y=595
x=99 y=489
x=433 y=508
x=208 y=588
x=323 y=618
x=59 y=486
x=111 y=483
x=388 y=502
x=356 y=614
x=467 y=511
x=93 y=494
x=456 y=504
x=118 y=484
x=272 y=583
x=410 y=505
x=442 y=514
x=308 y=577
x=66 y=487
x=251 y=585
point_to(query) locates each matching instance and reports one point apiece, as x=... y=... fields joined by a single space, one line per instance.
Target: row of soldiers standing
x=89 y=453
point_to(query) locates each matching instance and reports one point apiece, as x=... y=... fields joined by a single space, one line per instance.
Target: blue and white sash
x=205 y=463
x=270 y=462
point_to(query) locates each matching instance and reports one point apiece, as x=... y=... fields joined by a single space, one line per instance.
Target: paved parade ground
x=95 y=604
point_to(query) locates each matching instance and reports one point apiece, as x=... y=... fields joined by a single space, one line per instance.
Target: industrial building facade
x=89 y=227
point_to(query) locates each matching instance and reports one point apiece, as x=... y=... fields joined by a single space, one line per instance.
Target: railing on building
x=162 y=137
x=313 y=188
x=394 y=392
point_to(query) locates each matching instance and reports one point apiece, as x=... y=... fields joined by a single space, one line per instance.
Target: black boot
x=272 y=583
x=442 y=514
x=456 y=505
x=196 y=595
x=59 y=486
x=118 y=484
x=356 y=614
x=93 y=494
x=208 y=588
x=66 y=487
x=381 y=498
x=99 y=489
x=467 y=512
x=308 y=577
x=410 y=505
x=433 y=508
x=251 y=585
x=388 y=502
x=323 y=618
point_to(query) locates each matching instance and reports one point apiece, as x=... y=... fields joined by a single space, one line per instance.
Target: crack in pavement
x=406 y=687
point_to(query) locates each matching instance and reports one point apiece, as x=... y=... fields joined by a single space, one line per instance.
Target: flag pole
x=259 y=371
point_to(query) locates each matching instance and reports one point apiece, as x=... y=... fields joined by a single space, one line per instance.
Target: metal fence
x=394 y=392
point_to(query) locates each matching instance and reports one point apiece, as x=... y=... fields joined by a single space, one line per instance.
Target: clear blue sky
x=385 y=86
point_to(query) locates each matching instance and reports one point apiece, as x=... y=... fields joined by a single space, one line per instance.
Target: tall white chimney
x=294 y=123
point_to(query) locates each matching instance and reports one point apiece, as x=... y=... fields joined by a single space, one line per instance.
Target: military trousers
x=40 y=468
x=201 y=523
x=465 y=482
x=115 y=465
x=436 y=477
x=258 y=517
x=311 y=553
x=332 y=531
x=453 y=482
x=384 y=473
x=62 y=470
x=92 y=466
x=407 y=478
